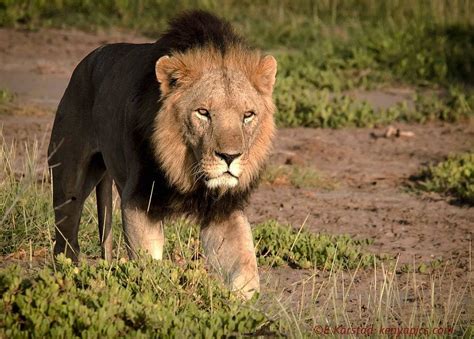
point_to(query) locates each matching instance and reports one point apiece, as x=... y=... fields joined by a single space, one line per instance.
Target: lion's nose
x=228 y=158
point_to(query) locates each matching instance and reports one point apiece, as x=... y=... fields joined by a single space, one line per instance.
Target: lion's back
x=90 y=73
x=75 y=111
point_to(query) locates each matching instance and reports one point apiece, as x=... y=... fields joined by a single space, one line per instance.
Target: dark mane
x=194 y=29
x=190 y=30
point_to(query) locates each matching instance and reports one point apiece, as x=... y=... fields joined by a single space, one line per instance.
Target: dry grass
x=380 y=300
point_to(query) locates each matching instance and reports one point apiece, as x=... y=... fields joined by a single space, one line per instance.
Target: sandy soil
x=371 y=198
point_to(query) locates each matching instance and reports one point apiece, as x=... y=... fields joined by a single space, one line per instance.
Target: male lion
x=182 y=126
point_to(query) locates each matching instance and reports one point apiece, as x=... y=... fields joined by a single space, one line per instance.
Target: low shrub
x=454 y=176
x=143 y=298
x=282 y=244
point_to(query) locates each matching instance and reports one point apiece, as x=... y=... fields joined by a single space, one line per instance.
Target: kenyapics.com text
x=391 y=331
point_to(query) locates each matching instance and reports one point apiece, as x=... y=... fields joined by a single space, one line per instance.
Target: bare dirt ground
x=371 y=198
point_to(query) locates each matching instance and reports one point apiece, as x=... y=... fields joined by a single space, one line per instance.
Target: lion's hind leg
x=74 y=175
x=68 y=202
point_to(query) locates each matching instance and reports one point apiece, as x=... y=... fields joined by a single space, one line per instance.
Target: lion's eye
x=203 y=114
x=248 y=116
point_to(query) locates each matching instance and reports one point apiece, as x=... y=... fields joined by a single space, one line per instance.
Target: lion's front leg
x=142 y=233
x=229 y=249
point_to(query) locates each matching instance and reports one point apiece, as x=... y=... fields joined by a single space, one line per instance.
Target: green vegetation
x=142 y=298
x=454 y=176
x=277 y=244
x=24 y=203
x=321 y=46
x=424 y=268
x=302 y=107
x=451 y=107
x=149 y=298
x=326 y=51
x=6 y=97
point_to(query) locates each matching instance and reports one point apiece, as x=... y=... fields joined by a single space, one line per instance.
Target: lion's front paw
x=245 y=285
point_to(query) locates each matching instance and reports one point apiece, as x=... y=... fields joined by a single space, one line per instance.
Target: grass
x=427 y=267
x=382 y=306
x=26 y=217
x=322 y=47
x=454 y=176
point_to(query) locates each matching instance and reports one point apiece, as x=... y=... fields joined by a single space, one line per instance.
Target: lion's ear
x=169 y=70
x=265 y=74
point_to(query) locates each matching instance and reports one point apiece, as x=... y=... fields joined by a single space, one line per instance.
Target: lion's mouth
x=226 y=179
x=232 y=175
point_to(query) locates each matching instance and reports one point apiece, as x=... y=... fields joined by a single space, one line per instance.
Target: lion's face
x=222 y=112
x=222 y=116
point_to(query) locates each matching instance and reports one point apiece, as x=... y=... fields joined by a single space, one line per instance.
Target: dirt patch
x=37 y=65
x=370 y=200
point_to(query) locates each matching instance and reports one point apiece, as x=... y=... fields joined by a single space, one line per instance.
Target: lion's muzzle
x=225 y=171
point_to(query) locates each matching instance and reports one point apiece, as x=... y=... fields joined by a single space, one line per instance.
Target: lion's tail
x=104 y=212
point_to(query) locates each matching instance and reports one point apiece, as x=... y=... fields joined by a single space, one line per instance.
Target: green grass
x=139 y=298
x=424 y=268
x=320 y=46
x=279 y=245
x=25 y=208
x=454 y=176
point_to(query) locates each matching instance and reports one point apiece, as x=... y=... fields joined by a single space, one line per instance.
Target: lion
x=182 y=126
